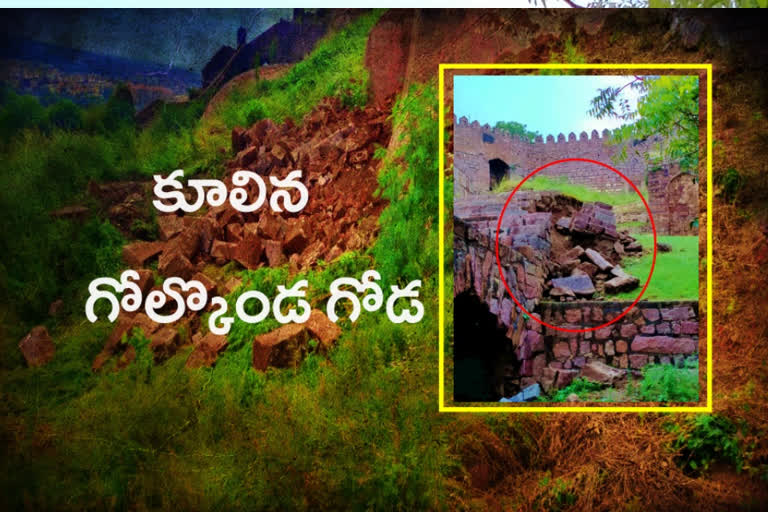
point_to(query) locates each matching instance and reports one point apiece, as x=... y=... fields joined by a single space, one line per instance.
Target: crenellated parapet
x=475 y=145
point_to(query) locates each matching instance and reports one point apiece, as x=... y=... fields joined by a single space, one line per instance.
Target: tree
x=519 y=129
x=668 y=106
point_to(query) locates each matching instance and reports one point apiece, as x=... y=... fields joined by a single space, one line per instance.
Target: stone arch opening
x=483 y=354
x=498 y=170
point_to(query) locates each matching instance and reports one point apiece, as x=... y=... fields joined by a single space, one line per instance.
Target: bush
x=704 y=439
x=666 y=383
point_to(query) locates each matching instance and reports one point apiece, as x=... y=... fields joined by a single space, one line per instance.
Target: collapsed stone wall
x=652 y=332
x=531 y=251
x=476 y=145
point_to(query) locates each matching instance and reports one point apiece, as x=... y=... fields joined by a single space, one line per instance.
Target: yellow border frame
x=441 y=270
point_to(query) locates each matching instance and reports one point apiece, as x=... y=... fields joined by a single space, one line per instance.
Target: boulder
x=37 y=347
x=600 y=372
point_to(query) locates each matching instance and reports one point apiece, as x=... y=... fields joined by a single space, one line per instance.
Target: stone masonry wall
x=524 y=250
x=652 y=332
x=673 y=197
x=476 y=145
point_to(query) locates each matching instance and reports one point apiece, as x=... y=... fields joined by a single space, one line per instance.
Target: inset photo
x=576 y=238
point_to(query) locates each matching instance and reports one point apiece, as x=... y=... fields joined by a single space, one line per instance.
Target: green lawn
x=580 y=192
x=676 y=275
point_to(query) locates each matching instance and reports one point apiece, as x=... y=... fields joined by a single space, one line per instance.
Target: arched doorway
x=481 y=352
x=498 y=170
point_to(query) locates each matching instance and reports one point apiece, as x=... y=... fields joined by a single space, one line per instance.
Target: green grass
x=676 y=275
x=633 y=225
x=580 y=192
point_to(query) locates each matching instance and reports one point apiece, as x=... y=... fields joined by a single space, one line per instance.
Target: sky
x=547 y=104
x=184 y=38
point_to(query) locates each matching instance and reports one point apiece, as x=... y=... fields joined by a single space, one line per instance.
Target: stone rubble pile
x=334 y=148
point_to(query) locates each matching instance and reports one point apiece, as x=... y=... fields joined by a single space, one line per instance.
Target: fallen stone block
x=164 y=343
x=138 y=253
x=526 y=395
x=207 y=350
x=598 y=259
x=580 y=285
x=37 y=347
x=285 y=347
x=600 y=372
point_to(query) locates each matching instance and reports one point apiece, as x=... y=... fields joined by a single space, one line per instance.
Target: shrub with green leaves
x=667 y=383
x=703 y=440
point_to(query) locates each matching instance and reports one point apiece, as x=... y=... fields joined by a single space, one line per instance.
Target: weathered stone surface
x=206 y=351
x=164 y=343
x=174 y=264
x=598 y=259
x=690 y=327
x=208 y=283
x=561 y=350
x=628 y=330
x=274 y=252
x=575 y=253
x=637 y=361
x=565 y=377
x=285 y=347
x=580 y=285
x=322 y=328
x=662 y=247
x=573 y=316
x=651 y=314
x=621 y=346
x=620 y=284
x=169 y=226
x=677 y=313
x=37 y=347
x=248 y=252
x=587 y=268
x=664 y=345
x=138 y=253
x=561 y=292
x=564 y=223
x=600 y=372
x=222 y=251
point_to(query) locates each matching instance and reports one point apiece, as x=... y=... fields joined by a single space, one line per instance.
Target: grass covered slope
x=356 y=429
x=582 y=193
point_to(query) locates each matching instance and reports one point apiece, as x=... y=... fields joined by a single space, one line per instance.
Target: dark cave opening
x=499 y=170
x=482 y=353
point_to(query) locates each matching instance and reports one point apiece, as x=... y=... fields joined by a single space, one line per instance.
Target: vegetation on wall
x=668 y=106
